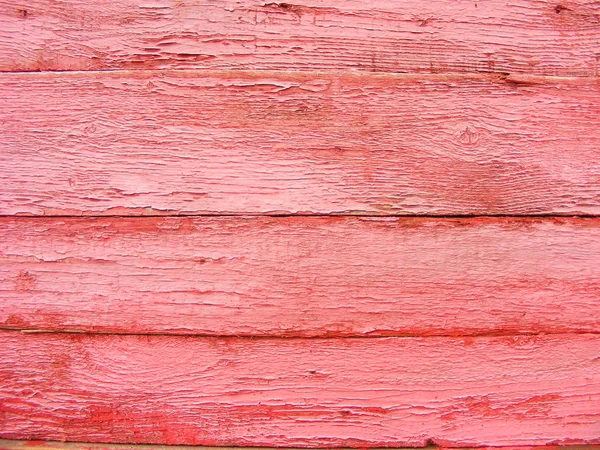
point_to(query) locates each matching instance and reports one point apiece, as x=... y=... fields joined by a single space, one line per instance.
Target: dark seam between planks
x=507 y=77
x=358 y=214
x=370 y=335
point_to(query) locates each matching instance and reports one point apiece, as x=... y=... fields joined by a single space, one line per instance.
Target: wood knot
x=90 y=129
x=23 y=12
x=467 y=135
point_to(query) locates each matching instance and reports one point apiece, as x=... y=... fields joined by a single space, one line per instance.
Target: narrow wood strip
x=301 y=276
x=136 y=143
x=541 y=37
x=301 y=392
x=6 y=444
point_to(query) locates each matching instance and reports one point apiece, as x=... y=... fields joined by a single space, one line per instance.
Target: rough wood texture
x=6 y=444
x=541 y=37
x=166 y=143
x=301 y=276
x=301 y=392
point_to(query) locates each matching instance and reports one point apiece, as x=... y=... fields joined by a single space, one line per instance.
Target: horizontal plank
x=169 y=143
x=301 y=392
x=301 y=276
x=541 y=37
x=7 y=444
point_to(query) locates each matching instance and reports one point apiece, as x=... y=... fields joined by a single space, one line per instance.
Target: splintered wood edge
x=6 y=444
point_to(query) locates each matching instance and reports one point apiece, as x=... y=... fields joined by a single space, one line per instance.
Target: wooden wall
x=333 y=223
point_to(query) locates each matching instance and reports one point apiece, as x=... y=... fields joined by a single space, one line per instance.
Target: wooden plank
x=221 y=142
x=6 y=444
x=301 y=392
x=301 y=276
x=540 y=37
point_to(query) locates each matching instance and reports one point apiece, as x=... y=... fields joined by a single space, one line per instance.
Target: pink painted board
x=539 y=37
x=528 y=390
x=6 y=444
x=159 y=142
x=301 y=276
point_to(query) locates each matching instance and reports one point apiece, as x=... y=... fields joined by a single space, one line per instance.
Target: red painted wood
x=6 y=444
x=301 y=392
x=301 y=276
x=541 y=37
x=171 y=142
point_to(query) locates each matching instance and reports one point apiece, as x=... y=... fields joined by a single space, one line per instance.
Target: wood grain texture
x=169 y=143
x=301 y=392
x=301 y=276
x=7 y=444
x=540 y=37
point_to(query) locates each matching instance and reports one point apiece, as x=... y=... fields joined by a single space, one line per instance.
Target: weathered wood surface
x=168 y=143
x=7 y=444
x=301 y=392
x=540 y=37
x=301 y=276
